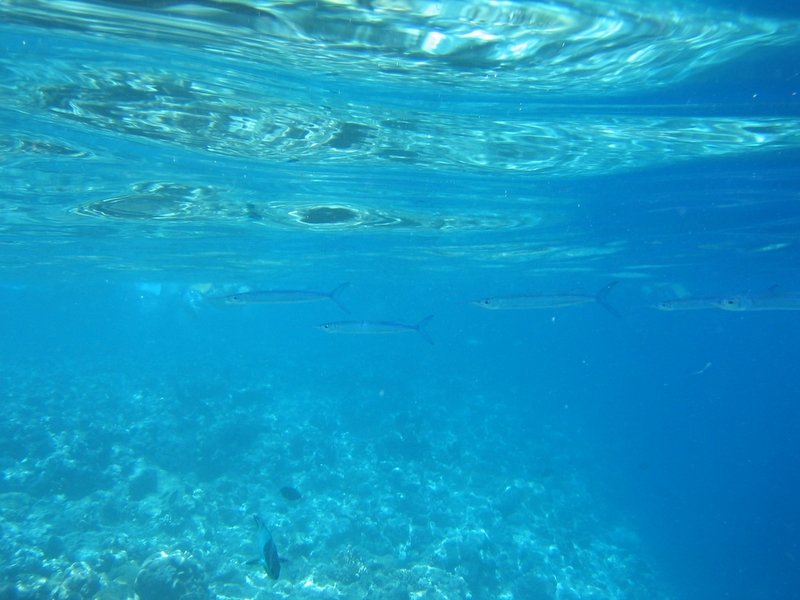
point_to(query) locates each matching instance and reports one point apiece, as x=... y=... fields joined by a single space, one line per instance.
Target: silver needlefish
x=742 y=302
x=267 y=554
x=688 y=304
x=285 y=297
x=378 y=327
x=534 y=301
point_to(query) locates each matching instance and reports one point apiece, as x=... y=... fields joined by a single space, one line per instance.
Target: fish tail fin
x=420 y=327
x=334 y=295
x=602 y=298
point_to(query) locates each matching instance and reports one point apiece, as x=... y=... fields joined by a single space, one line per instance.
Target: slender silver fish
x=688 y=304
x=378 y=327
x=534 y=301
x=742 y=302
x=285 y=297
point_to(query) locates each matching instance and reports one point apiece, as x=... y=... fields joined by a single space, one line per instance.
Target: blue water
x=158 y=159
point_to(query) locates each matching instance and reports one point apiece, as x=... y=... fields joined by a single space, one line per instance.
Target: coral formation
x=175 y=576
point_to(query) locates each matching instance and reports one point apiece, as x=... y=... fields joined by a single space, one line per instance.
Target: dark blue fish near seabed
x=267 y=554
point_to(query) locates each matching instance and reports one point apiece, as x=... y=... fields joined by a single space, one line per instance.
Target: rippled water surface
x=468 y=125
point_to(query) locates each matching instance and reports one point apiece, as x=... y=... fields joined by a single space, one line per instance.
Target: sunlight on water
x=210 y=116
x=242 y=109
x=246 y=109
x=576 y=47
x=258 y=117
x=174 y=202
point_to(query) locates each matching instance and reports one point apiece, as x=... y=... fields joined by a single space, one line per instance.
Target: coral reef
x=171 y=576
x=408 y=499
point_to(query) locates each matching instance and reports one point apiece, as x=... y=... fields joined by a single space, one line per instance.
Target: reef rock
x=176 y=576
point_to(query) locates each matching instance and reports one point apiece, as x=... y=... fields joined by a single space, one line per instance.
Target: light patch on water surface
x=773 y=247
x=224 y=117
x=41 y=146
x=545 y=254
x=270 y=117
x=570 y=47
x=291 y=81
x=166 y=201
x=158 y=202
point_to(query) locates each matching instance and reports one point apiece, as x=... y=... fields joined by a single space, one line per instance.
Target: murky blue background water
x=156 y=158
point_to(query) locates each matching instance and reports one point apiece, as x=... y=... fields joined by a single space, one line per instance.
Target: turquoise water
x=206 y=205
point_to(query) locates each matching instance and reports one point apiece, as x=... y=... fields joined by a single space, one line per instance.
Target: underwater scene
x=399 y=300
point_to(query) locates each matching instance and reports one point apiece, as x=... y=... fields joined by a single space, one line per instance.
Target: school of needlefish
x=773 y=299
